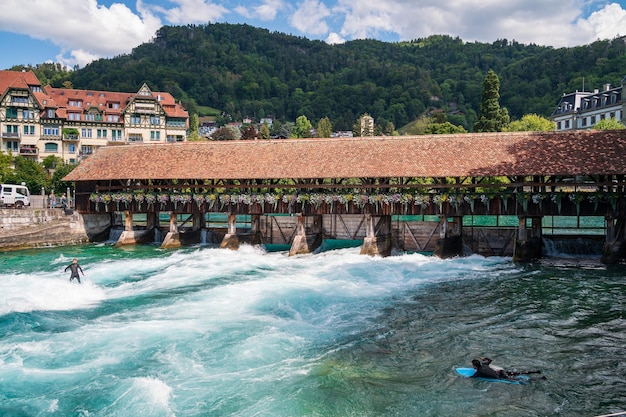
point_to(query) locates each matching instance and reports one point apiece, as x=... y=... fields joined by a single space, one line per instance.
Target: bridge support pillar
x=307 y=239
x=231 y=240
x=130 y=236
x=377 y=237
x=450 y=242
x=528 y=244
x=614 y=249
x=172 y=239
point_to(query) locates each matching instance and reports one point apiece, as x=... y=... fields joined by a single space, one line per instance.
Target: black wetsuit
x=74 y=268
x=486 y=371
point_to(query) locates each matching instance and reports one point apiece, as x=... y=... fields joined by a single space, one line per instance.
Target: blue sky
x=75 y=32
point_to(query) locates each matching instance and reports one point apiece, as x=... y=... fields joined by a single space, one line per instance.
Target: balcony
x=70 y=137
x=29 y=150
x=11 y=135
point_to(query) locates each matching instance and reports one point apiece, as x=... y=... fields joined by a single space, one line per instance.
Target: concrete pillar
x=529 y=244
x=304 y=242
x=128 y=220
x=231 y=240
x=377 y=238
x=614 y=249
x=172 y=239
x=130 y=236
x=450 y=242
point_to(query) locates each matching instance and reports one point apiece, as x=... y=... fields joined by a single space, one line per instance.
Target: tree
x=264 y=131
x=6 y=172
x=60 y=172
x=193 y=128
x=491 y=117
x=443 y=128
x=324 y=128
x=302 y=128
x=609 y=124
x=30 y=172
x=224 y=133
x=531 y=123
x=249 y=133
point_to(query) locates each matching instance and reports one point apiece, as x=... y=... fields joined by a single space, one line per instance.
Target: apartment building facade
x=582 y=110
x=38 y=121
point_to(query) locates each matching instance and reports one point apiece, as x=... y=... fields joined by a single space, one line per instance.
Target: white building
x=38 y=121
x=582 y=110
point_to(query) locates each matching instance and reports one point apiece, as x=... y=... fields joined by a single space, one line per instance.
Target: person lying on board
x=484 y=369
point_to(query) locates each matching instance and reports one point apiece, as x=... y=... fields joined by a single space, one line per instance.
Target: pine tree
x=491 y=117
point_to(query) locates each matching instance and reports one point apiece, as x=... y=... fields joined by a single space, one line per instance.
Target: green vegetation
x=246 y=71
x=531 y=123
x=48 y=174
x=609 y=124
x=492 y=117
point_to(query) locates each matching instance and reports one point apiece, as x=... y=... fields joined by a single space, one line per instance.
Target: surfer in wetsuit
x=484 y=369
x=74 y=268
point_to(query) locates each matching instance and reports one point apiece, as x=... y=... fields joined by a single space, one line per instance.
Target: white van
x=12 y=195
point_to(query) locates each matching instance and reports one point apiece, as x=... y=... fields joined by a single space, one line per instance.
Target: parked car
x=13 y=195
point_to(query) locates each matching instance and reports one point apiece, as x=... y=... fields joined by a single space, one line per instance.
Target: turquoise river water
x=203 y=331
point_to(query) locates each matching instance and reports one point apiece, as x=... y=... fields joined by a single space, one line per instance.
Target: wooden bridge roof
x=583 y=152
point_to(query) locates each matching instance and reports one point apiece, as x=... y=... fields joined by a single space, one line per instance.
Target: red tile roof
x=489 y=154
x=17 y=79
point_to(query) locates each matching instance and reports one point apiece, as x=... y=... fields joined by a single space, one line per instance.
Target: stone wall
x=32 y=228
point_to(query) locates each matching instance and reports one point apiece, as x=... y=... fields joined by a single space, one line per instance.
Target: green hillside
x=249 y=72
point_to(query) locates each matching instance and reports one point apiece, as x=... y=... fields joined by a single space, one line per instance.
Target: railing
x=11 y=135
x=29 y=151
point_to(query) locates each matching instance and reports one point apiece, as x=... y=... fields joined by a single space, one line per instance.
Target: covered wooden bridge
x=323 y=181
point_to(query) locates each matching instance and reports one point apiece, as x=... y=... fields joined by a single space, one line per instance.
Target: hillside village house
x=37 y=121
x=582 y=110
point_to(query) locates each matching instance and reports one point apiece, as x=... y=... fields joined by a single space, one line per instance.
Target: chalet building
x=582 y=110
x=38 y=121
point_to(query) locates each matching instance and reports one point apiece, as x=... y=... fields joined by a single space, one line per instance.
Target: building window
x=135 y=137
x=155 y=135
x=85 y=133
x=51 y=130
x=50 y=114
x=155 y=120
x=11 y=113
x=12 y=146
x=29 y=130
x=567 y=124
x=135 y=119
x=101 y=133
x=71 y=148
x=583 y=121
x=51 y=147
x=19 y=100
x=593 y=120
x=73 y=116
x=113 y=118
x=90 y=117
x=116 y=135
x=28 y=114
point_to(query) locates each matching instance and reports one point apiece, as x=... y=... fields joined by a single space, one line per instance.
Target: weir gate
x=492 y=194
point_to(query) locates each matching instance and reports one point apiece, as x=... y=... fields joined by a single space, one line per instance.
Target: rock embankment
x=34 y=228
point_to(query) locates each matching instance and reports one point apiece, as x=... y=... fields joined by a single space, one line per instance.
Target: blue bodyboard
x=518 y=380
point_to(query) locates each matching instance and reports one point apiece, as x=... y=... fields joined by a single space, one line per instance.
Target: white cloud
x=309 y=18
x=608 y=22
x=334 y=38
x=80 y=25
x=192 y=11
x=527 y=21
x=266 y=11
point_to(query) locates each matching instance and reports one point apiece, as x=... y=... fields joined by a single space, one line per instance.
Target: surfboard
x=518 y=380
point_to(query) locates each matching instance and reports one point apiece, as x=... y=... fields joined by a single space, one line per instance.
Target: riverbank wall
x=41 y=227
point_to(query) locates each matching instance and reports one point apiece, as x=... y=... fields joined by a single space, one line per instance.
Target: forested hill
x=247 y=71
